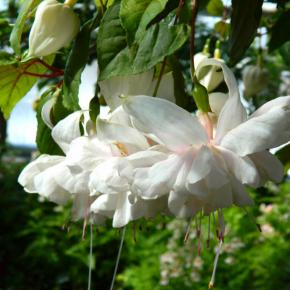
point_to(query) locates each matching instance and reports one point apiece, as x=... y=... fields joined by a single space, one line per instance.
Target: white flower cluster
x=151 y=156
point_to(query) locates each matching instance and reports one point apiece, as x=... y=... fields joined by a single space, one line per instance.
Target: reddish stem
x=49 y=76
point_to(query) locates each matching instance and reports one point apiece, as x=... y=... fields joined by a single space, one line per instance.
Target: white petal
x=269 y=167
x=242 y=167
x=240 y=195
x=175 y=127
x=201 y=165
x=217 y=101
x=75 y=182
x=111 y=177
x=183 y=204
x=146 y=158
x=122 y=215
x=81 y=206
x=159 y=179
x=233 y=113
x=45 y=112
x=47 y=186
x=130 y=85
x=221 y=197
x=67 y=130
x=87 y=153
x=43 y=162
x=105 y=204
x=278 y=102
x=119 y=116
x=111 y=132
x=259 y=133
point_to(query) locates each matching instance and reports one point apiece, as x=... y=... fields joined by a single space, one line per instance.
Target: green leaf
x=44 y=141
x=215 y=7
x=159 y=41
x=15 y=84
x=15 y=38
x=279 y=35
x=245 y=20
x=222 y=28
x=285 y=53
x=137 y=14
x=94 y=108
x=182 y=98
x=112 y=50
x=75 y=65
x=114 y=56
x=7 y=58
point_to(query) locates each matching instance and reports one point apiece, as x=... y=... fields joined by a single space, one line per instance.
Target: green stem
x=159 y=77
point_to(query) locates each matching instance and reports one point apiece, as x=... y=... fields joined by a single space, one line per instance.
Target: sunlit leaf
x=15 y=37
x=15 y=82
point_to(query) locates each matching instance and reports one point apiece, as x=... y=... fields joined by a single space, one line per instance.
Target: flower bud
x=209 y=76
x=54 y=27
x=200 y=96
x=255 y=80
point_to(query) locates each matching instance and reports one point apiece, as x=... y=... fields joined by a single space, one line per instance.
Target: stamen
x=212 y=280
x=90 y=257
x=215 y=225
x=84 y=229
x=187 y=230
x=199 y=234
x=208 y=233
x=122 y=148
x=221 y=222
x=118 y=259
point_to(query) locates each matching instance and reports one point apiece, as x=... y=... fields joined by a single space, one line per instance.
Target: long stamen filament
x=212 y=280
x=118 y=258
x=90 y=258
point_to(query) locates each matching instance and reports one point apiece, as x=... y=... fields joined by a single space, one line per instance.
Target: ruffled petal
x=43 y=162
x=67 y=130
x=111 y=177
x=159 y=179
x=172 y=125
x=115 y=133
x=87 y=153
x=47 y=186
x=268 y=166
x=242 y=167
x=240 y=194
x=265 y=131
x=45 y=112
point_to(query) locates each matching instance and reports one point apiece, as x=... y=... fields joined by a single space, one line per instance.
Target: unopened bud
x=255 y=80
x=54 y=27
x=200 y=96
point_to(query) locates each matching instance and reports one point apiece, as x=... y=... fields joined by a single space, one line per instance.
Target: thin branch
x=192 y=37
x=48 y=76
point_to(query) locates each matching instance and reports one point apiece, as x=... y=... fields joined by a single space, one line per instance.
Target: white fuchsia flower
x=208 y=169
x=54 y=27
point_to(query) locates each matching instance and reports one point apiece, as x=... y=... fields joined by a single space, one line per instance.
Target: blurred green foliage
x=39 y=249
